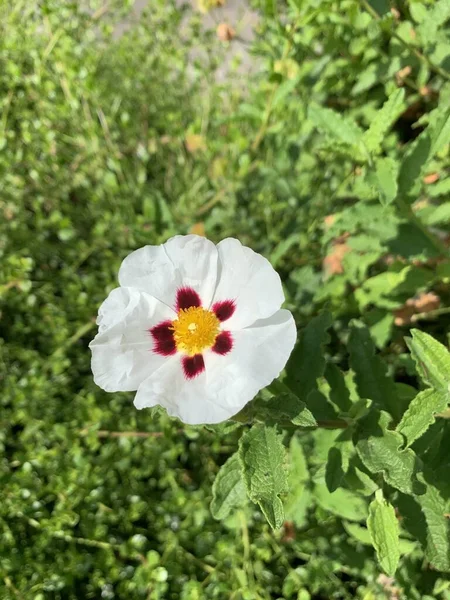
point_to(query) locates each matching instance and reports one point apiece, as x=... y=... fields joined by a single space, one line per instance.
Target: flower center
x=195 y=329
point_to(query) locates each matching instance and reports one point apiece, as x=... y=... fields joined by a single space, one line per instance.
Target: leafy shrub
x=333 y=164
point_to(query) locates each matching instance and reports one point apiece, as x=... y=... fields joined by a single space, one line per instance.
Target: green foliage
x=228 y=489
x=371 y=377
x=262 y=457
x=383 y=121
x=421 y=413
x=333 y=162
x=432 y=360
x=384 y=533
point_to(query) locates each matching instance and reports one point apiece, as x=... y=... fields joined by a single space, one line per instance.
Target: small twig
x=60 y=535
x=100 y=11
x=214 y=200
x=430 y=314
x=79 y=333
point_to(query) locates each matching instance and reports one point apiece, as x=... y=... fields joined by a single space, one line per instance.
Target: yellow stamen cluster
x=194 y=330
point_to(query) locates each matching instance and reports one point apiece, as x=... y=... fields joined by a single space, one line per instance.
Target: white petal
x=122 y=355
x=250 y=280
x=184 y=260
x=228 y=382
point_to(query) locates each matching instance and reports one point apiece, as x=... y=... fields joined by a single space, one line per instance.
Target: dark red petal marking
x=223 y=310
x=187 y=297
x=223 y=343
x=163 y=339
x=193 y=365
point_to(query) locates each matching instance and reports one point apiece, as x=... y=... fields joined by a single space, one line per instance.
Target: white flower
x=194 y=327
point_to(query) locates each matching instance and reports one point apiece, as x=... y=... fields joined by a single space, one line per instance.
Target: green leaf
x=432 y=20
x=342 y=502
x=441 y=133
x=432 y=360
x=307 y=362
x=284 y=405
x=424 y=518
x=413 y=163
x=358 y=481
x=361 y=534
x=379 y=449
x=438 y=214
x=262 y=457
x=298 y=467
x=338 y=460
x=384 y=533
x=433 y=506
x=335 y=125
x=228 y=488
x=371 y=376
x=386 y=173
x=334 y=471
x=298 y=498
x=358 y=532
x=421 y=414
x=431 y=141
x=319 y=405
x=339 y=392
x=383 y=121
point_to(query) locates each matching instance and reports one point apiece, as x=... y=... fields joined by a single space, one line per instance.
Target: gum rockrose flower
x=194 y=327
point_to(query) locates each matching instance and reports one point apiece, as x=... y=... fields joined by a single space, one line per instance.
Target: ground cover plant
x=333 y=163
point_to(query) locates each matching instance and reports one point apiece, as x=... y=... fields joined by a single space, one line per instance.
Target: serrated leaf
x=425 y=518
x=228 y=488
x=383 y=120
x=421 y=414
x=384 y=533
x=342 y=502
x=262 y=456
x=371 y=376
x=432 y=360
x=335 y=125
x=307 y=362
x=386 y=173
x=433 y=506
x=379 y=449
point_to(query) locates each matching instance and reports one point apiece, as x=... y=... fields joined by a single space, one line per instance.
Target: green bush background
x=109 y=143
